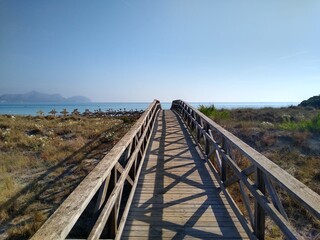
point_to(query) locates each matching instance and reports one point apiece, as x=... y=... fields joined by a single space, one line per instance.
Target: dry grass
x=42 y=159
x=33 y=142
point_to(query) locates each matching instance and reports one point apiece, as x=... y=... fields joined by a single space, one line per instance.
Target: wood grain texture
x=180 y=194
x=300 y=192
x=177 y=196
x=266 y=172
x=64 y=218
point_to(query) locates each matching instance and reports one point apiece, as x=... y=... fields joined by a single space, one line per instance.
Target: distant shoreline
x=33 y=108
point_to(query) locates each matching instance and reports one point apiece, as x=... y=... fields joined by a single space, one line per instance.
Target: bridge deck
x=177 y=196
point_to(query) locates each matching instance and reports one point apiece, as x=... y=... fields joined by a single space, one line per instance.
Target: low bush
x=214 y=113
x=312 y=125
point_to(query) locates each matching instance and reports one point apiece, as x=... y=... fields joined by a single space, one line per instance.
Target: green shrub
x=312 y=125
x=311 y=102
x=207 y=110
x=214 y=113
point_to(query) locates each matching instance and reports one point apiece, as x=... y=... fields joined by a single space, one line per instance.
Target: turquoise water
x=33 y=108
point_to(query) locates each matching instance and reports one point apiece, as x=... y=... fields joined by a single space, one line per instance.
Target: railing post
x=225 y=147
x=207 y=143
x=223 y=162
x=113 y=216
x=198 y=128
x=259 y=218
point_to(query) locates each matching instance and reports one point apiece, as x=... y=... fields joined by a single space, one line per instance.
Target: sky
x=137 y=51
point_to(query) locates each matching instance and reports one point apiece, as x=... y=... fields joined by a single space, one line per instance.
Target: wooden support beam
x=102 y=194
x=264 y=165
x=110 y=205
x=63 y=219
x=121 y=170
x=247 y=171
x=304 y=195
x=259 y=213
x=223 y=165
x=130 y=198
x=246 y=202
x=274 y=197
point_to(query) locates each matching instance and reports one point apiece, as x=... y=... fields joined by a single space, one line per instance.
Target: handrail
x=118 y=170
x=221 y=145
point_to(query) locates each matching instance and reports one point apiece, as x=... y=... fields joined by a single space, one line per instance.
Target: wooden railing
x=260 y=181
x=115 y=175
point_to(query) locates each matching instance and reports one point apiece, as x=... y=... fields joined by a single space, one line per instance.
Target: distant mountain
x=37 y=97
x=78 y=99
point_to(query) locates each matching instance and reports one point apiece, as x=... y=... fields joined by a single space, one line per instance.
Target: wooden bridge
x=175 y=175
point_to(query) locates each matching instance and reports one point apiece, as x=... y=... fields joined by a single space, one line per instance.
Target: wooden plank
x=275 y=198
x=131 y=195
x=202 y=232
x=185 y=237
x=140 y=225
x=304 y=195
x=285 y=227
x=115 y=194
x=248 y=171
x=246 y=202
x=178 y=191
x=121 y=170
x=102 y=194
x=62 y=220
x=259 y=212
x=225 y=214
x=153 y=220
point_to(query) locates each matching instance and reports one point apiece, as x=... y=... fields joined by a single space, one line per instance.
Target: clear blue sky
x=130 y=50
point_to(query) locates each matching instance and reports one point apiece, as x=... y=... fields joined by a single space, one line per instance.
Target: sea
x=33 y=108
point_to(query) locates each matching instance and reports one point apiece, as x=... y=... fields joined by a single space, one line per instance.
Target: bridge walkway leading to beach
x=177 y=175
x=177 y=196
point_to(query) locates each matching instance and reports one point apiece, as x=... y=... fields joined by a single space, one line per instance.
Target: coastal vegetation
x=290 y=137
x=311 y=102
x=310 y=125
x=42 y=159
x=213 y=113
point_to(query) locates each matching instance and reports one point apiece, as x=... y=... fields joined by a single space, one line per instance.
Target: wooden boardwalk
x=156 y=184
x=177 y=196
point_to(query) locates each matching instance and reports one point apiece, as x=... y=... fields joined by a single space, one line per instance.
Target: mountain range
x=37 y=97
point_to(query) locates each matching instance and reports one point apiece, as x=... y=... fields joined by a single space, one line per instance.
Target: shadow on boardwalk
x=177 y=196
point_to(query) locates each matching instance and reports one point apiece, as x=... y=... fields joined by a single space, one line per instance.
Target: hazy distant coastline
x=33 y=108
x=37 y=97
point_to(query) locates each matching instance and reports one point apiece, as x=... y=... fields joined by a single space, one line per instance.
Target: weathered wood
x=232 y=203
x=275 y=198
x=259 y=214
x=246 y=202
x=282 y=223
x=121 y=170
x=64 y=218
x=305 y=196
x=248 y=171
x=178 y=194
x=113 y=201
x=102 y=194
x=130 y=198
x=200 y=233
